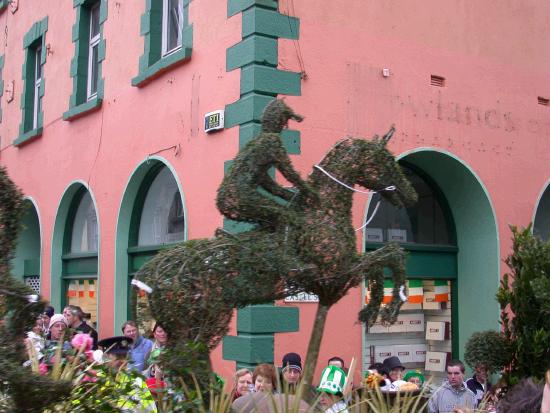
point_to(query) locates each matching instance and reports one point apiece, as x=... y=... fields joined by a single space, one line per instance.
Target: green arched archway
x=476 y=257
x=27 y=258
x=128 y=256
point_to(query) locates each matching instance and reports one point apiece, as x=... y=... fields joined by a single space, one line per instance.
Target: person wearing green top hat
x=331 y=390
x=415 y=377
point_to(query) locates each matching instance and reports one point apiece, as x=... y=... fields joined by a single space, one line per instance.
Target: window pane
x=83 y=294
x=84 y=236
x=94 y=65
x=174 y=21
x=38 y=64
x=162 y=219
x=423 y=223
x=94 y=21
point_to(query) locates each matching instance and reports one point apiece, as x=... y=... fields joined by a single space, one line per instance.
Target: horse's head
x=381 y=172
x=276 y=115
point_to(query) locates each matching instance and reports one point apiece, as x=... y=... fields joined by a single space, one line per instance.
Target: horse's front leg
x=371 y=268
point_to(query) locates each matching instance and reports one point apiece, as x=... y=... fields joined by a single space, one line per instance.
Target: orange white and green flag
x=415 y=291
x=91 y=288
x=388 y=291
x=442 y=291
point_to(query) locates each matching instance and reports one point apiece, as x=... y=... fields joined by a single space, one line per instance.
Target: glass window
x=84 y=235
x=172 y=24
x=162 y=218
x=93 y=51
x=424 y=223
x=541 y=227
x=37 y=107
x=82 y=292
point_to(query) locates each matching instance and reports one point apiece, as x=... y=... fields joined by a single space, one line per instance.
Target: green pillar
x=256 y=328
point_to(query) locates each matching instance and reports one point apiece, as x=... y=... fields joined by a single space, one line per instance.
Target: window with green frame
x=425 y=230
x=157 y=221
x=80 y=255
x=168 y=38
x=86 y=65
x=3 y=5
x=34 y=44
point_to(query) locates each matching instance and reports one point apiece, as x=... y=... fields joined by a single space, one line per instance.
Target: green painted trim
x=254 y=49
x=478 y=257
x=60 y=247
x=258 y=20
x=28 y=136
x=3 y=5
x=76 y=112
x=291 y=138
x=31 y=267
x=27 y=256
x=238 y=6
x=35 y=35
x=265 y=319
x=455 y=316
x=249 y=348
x=268 y=80
x=151 y=63
x=246 y=109
x=124 y=260
x=78 y=101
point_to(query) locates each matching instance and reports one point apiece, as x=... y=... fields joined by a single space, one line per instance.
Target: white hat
x=56 y=318
x=333 y=380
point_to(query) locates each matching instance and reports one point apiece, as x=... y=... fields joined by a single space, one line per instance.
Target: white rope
x=142 y=286
x=388 y=188
x=402 y=294
x=371 y=217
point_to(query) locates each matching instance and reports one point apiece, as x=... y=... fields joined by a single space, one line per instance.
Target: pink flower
x=82 y=340
x=43 y=369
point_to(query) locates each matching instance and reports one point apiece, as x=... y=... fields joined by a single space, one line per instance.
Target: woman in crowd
x=265 y=378
x=140 y=347
x=76 y=319
x=160 y=336
x=242 y=383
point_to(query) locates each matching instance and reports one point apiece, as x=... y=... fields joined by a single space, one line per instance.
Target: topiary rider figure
x=238 y=196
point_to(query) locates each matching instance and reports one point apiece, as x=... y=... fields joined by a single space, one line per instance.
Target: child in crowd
x=331 y=389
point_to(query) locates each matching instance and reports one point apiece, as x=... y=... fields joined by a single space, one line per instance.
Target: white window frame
x=166 y=27
x=37 y=82
x=92 y=45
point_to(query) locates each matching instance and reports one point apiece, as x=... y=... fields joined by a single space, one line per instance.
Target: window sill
x=164 y=64
x=28 y=136
x=83 y=109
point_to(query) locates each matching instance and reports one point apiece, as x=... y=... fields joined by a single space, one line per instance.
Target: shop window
x=541 y=225
x=168 y=38
x=81 y=252
x=33 y=83
x=86 y=64
x=162 y=218
x=423 y=336
x=423 y=223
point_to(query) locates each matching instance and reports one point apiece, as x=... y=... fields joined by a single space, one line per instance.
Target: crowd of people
x=250 y=387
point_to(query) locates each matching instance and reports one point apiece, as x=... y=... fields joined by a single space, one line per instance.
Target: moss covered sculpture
x=19 y=309
x=311 y=249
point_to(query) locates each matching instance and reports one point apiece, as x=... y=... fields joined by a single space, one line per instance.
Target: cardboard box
x=429 y=302
x=418 y=353
x=414 y=323
x=437 y=330
x=404 y=353
x=383 y=352
x=378 y=328
x=436 y=361
x=398 y=326
x=374 y=235
x=397 y=235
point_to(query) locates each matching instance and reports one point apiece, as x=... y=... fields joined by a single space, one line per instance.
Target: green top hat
x=333 y=380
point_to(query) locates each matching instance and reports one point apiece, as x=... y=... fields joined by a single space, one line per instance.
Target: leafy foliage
x=528 y=297
x=489 y=348
x=19 y=310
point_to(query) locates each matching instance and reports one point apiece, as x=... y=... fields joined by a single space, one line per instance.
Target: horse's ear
x=386 y=138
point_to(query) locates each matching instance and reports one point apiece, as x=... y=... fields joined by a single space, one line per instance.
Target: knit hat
x=57 y=318
x=292 y=360
x=333 y=380
x=414 y=374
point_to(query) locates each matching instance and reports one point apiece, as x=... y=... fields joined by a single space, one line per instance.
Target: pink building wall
x=494 y=60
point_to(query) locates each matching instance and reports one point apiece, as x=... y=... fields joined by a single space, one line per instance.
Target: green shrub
x=489 y=348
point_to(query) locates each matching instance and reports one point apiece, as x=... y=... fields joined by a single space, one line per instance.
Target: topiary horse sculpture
x=198 y=283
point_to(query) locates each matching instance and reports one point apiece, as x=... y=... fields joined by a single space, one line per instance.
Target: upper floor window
x=37 y=105
x=93 y=51
x=172 y=24
x=426 y=222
